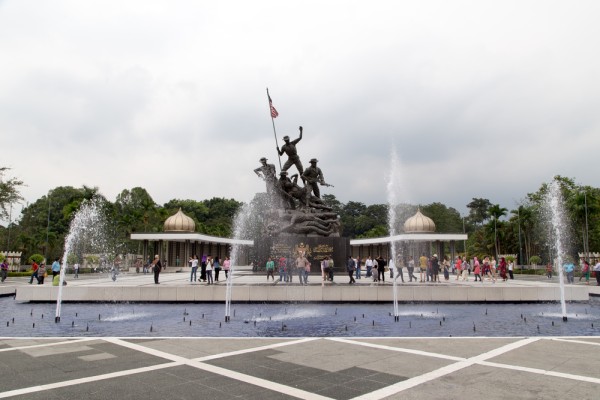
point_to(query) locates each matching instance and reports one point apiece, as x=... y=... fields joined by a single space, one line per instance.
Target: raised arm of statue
x=299 y=137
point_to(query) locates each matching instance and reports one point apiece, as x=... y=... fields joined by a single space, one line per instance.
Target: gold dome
x=419 y=223
x=179 y=223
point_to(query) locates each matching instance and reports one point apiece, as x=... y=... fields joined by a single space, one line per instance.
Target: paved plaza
x=315 y=368
x=307 y=368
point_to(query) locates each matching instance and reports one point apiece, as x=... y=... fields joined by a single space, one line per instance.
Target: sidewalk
x=316 y=368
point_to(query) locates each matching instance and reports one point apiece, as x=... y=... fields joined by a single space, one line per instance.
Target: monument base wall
x=316 y=248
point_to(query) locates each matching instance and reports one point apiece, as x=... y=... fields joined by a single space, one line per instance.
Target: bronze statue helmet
x=286 y=138
x=313 y=160
x=262 y=159
x=283 y=173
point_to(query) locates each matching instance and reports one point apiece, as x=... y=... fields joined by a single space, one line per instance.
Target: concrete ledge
x=7 y=290
x=297 y=293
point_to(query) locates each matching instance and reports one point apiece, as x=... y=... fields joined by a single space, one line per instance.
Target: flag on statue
x=274 y=112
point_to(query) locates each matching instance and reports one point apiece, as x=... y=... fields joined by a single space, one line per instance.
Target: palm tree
x=496 y=212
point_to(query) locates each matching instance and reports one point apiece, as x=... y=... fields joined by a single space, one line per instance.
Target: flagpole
x=273 y=123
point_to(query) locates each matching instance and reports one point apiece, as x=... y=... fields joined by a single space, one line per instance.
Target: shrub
x=535 y=260
x=38 y=258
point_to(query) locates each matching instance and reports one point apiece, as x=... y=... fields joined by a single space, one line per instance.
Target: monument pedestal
x=315 y=248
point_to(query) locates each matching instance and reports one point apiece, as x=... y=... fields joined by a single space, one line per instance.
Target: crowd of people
x=430 y=269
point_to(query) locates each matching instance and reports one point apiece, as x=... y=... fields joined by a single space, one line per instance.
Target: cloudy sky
x=478 y=98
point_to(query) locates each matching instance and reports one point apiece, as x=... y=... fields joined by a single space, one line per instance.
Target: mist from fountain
x=394 y=188
x=241 y=228
x=555 y=205
x=86 y=231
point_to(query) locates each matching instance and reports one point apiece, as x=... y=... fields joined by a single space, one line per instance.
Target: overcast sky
x=478 y=98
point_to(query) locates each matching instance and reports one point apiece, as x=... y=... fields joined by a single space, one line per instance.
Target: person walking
x=55 y=267
x=381 y=268
x=446 y=268
x=227 y=267
x=585 y=272
x=375 y=270
x=569 y=269
x=350 y=265
x=487 y=269
x=3 y=270
x=458 y=265
x=423 y=261
x=477 y=269
x=358 y=267
x=325 y=268
x=411 y=269
x=435 y=269
x=282 y=268
x=216 y=267
x=270 y=268
x=34 y=271
x=398 y=270
x=203 y=269
x=301 y=262
x=549 y=271
x=465 y=269
x=209 y=270
x=597 y=272
x=369 y=267
x=76 y=271
x=156 y=268
x=194 y=265
x=511 y=267
x=41 y=274
x=502 y=269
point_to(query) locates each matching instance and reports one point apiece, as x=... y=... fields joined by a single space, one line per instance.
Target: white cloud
x=480 y=98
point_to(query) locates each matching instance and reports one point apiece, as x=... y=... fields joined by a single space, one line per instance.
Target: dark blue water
x=297 y=320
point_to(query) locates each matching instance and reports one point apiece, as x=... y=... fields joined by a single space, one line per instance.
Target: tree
x=9 y=192
x=446 y=219
x=523 y=216
x=496 y=212
x=478 y=210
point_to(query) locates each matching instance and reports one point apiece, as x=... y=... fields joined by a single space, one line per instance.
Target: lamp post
x=464 y=241
x=519 y=225
x=47 y=229
x=587 y=238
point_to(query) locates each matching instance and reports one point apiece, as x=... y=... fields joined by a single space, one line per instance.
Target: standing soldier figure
x=267 y=172
x=313 y=176
x=289 y=148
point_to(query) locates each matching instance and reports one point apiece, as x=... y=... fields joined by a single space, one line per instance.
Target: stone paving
x=306 y=368
x=315 y=368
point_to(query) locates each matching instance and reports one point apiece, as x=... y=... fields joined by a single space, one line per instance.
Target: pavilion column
x=145 y=251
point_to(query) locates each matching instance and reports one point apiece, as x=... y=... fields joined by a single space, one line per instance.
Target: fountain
x=86 y=232
x=241 y=228
x=555 y=205
x=393 y=188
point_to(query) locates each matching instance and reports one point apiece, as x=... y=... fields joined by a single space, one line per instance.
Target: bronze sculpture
x=299 y=209
x=289 y=148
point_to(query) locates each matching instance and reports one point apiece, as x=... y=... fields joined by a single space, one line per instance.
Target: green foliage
x=9 y=193
x=213 y=217
x=92 y=259
x=38 y=258
x=43 y=224
x=478 y=210
x=535 y=260
x=447 y=220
